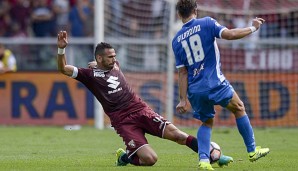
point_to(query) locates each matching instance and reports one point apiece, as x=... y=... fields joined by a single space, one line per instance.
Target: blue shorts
x=203 y=102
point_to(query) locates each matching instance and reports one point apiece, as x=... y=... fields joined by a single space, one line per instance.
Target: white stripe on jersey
x=221 y=77
x=179 y=66
x=221 y=32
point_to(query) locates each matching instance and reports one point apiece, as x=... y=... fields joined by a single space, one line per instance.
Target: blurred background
x=262 y=67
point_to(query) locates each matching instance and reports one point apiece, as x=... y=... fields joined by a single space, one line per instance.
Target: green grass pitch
x=53 y=148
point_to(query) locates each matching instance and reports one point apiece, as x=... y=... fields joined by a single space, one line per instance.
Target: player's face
x=108 y=60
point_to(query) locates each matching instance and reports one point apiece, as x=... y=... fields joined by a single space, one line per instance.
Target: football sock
x=246 y=131
x=192 y=143
x=125 y=158
x=204 y=138
x=135 y=160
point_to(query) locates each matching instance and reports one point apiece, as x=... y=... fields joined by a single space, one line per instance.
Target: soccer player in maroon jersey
x=131 y=117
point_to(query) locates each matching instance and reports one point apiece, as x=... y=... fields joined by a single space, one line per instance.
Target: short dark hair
x=100 y=48
x=185 y=7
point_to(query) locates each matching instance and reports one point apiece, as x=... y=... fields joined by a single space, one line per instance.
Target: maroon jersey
x=111 y=90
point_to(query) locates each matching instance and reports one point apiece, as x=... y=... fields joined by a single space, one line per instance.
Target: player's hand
x=182 y=107
x=92 y=64
x=257 y=22
x=62 y=40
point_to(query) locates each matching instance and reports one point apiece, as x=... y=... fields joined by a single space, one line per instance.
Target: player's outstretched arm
x=62 y=42
x=238 y=33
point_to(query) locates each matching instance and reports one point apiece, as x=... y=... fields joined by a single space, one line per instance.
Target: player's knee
x=149 y=160
x=237 y=107
x=240 y=107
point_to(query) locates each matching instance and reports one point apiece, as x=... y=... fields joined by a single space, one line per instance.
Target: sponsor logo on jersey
x=196 y=71
x=114 y=84
x=98 y=74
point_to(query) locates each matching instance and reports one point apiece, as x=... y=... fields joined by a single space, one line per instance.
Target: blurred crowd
x=43 y=18
x=277 y=25
x=128 y=18
x=281 y=16
x=136 y=18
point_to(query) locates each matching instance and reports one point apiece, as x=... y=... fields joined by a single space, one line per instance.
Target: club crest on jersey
x=132 y=144
x=98 y=73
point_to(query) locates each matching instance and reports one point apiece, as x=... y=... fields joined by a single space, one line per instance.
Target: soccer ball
x=215 y=152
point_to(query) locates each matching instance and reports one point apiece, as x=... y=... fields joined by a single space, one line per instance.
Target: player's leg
x=204 y=111
x=174 y=134
x=171 y=132
x=138 y=152
x=145 y=156
x=228 y=98
x=236 y=106
x=204 y=139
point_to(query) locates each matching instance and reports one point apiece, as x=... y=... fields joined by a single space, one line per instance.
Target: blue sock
x=204 y=138
x=246 y=131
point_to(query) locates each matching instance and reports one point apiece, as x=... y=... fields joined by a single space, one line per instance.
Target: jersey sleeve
x=82 y=74
x=217 y=28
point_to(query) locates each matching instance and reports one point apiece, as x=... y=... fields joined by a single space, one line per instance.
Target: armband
x=252 y=29
x=61 y=51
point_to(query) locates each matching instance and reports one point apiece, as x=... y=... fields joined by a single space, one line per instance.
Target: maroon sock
x=135 y=160
x=192 y=143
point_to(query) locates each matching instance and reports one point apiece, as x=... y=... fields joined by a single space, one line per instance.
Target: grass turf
x=53 y=148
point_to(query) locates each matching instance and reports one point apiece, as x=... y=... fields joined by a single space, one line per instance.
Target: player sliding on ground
x=131 y=117
x=201 y=80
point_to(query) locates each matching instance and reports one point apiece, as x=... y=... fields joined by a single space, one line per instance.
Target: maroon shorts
x=133 y=128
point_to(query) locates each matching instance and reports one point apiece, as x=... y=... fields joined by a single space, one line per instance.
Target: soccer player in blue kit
x=201 y=80
x=130 y=116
